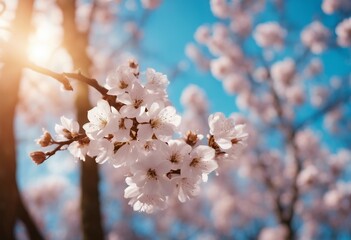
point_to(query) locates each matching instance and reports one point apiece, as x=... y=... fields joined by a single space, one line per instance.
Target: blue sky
x=172 y=26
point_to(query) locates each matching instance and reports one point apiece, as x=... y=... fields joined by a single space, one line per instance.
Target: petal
x=224 y=143
x=144 y=131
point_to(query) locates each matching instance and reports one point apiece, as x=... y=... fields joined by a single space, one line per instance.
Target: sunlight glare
x=42 y=44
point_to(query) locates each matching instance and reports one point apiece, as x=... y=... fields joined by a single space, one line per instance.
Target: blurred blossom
x=331 y=119
x=202 y=34
x=307 y=144
x=196 y=56
x=279 y=233
x=295 y=95
x=314 y=67
x=241 y=23
x=319 y=96
x=46 y=192
x=331 y=6
x=71 y=213
x=235 y=83
x=339 y=161
x=194 y=97
x=220 y=8
x=283 y=73
x=343 y=31
x=269 y=34
x=221 y=67
x=315 y=37
x=261 y=74
x=308 y=177
x=151 y=4
x=339 y=197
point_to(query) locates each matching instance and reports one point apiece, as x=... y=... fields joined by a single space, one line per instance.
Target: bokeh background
x=238 y=207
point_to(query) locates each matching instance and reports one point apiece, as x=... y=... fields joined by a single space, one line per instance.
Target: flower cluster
x=136 y=130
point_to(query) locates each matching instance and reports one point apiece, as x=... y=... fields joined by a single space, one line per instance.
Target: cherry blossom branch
x=64 y=79
x=46 y=140
x=89 y=81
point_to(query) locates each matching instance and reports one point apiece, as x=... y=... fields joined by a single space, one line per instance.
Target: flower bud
x=38 y=157
x=67 y=134
x=191 y=138
x=45 y=139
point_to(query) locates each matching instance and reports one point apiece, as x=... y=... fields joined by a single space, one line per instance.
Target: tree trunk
x=76 y=43
x=11 y=205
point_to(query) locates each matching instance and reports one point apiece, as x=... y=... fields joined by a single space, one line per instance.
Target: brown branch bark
x=76 y=43
x=64 y=79
x=59 y=77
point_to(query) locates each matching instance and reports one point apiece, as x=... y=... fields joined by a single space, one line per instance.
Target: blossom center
x=155 y=123
x=123 y=84
x=137 y=103
x=103 y=122
x=151 y=174
x=174 y=158
x=194 y=162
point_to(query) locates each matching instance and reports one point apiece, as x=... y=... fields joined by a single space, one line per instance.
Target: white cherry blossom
x=68 y=128
x=156 y=81
x=187 y=187
x=100 y=120
x=149 y=185
x=162 y=122
x=200 y=163
x=225 y=131
x=102 y=149
x=135 y=102
x=176 y=152
x=79 y=149
x=120 y=81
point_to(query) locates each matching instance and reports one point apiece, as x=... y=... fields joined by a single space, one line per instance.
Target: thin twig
x=59 y=77
x=64 y=79
x=89 y=81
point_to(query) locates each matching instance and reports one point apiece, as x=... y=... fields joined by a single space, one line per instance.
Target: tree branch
x=64 y=79
x=59 y=77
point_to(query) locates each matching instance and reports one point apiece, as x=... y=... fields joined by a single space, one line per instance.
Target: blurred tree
x=12 y=207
